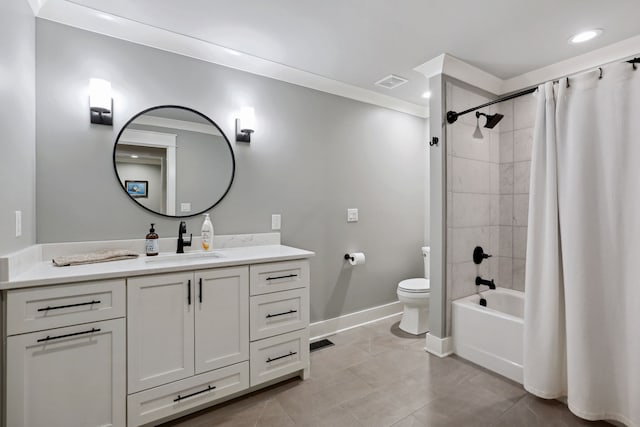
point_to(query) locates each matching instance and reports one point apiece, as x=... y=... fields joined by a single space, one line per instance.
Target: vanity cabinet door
x=160 y=329
x=222 y=317
x=68 y=377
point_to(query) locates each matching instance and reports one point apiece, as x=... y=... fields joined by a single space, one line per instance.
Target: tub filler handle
x=479 y=255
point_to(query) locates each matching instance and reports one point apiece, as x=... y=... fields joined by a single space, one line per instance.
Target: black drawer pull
x=48 y=338
x=179 y=398
x=282 y=277
x=281 y=314
x=57 y=307
x=189 y=291
x=200 y=295
x=291 y=353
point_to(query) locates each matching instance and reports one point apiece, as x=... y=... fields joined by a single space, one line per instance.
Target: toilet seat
x=414 y=285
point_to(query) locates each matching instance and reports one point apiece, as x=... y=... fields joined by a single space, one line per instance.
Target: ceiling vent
x=391 y=81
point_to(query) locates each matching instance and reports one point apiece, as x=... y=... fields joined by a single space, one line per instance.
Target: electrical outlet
x=185 y=207
x=352 y=215
x=276 y=221
x=18 y=223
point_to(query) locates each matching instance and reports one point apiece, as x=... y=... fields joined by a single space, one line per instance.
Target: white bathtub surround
x=491 y=336
x=581 y=338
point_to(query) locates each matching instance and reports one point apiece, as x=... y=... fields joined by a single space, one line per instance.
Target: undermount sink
x=172 y=257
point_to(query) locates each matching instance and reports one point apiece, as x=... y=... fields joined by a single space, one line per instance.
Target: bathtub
x=490 y=336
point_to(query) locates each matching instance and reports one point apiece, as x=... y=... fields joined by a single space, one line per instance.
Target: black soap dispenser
x=152 y=243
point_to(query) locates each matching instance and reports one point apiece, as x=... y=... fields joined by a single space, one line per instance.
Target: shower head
x=492 y=120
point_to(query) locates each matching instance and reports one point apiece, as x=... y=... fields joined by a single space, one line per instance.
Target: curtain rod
x=452 y=116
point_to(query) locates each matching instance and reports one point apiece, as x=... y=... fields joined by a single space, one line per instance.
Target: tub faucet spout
x=489 y=283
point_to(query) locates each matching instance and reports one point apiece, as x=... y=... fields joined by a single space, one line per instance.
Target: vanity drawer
x=280 y=355
x=278 y=276
x=279 y=312
x=36 y=309
x=160 y=402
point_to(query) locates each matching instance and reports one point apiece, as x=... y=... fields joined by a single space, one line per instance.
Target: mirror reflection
x=174 y=161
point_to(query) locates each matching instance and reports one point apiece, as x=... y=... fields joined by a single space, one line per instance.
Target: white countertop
x=45 y=273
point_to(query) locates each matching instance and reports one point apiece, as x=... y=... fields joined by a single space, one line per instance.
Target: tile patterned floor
x=378 y=376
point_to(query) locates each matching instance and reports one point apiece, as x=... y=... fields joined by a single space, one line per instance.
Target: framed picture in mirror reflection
x=137 y=188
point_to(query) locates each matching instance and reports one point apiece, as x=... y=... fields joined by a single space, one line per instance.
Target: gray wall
x=312 y=156
x=17 y=122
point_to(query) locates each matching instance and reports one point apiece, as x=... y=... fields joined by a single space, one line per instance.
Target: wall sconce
x=100 y=102
x=245 y=124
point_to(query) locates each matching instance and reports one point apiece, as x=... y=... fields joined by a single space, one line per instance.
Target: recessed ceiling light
x=134 y=156
x=427 y=94
x=585 y=36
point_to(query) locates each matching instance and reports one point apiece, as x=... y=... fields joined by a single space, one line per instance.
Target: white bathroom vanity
x=135 y=342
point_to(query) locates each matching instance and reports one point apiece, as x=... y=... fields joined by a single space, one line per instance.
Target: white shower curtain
x=582 y=301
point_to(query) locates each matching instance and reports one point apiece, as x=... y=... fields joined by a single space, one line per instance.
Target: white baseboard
x=328 y=327
x=441 y=347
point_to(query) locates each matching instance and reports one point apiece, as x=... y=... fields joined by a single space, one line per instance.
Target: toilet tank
x=426 y=250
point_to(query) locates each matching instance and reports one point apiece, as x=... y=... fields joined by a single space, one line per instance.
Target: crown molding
x=454 y=67
x=605 y=55
x=36 y=5
x=164 y=122
x=74 y=15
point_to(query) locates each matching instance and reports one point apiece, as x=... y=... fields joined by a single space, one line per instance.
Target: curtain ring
x=600 y=78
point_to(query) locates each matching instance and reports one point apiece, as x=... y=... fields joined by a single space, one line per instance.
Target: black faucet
x=181 y=241
x=481 y=281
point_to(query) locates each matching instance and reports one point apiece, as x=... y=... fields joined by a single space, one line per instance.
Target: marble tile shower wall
x=516 y=139
x=487 y=193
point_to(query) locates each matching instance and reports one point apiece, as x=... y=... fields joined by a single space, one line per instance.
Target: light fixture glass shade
x=100 y=95
x=477 y=134
x=247 y=119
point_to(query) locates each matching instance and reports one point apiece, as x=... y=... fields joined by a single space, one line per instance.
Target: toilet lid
x=415 y=285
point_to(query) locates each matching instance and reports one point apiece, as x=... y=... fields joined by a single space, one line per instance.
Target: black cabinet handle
x=281 y=314
x=58 y=307
x=179 y=398
x=291 y=353
x=282 y=277
x=200 y=285
x=189 y=291
x=48 y=338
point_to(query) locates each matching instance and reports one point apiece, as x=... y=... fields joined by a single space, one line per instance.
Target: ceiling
x=361 y=41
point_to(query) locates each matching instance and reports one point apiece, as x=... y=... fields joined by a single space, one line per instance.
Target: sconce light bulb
x=247 y=119
x=100 y=95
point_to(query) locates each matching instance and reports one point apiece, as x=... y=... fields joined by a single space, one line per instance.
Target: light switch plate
x=352 y=215
x=276 y=221
x=185 y=207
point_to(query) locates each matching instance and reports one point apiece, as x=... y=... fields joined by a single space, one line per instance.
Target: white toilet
x=414 y=294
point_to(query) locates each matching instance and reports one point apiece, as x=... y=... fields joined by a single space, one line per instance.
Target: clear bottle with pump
x=206 y=233
x=152 y=243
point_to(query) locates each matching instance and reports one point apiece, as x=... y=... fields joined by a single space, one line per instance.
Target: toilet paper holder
x=348 y=257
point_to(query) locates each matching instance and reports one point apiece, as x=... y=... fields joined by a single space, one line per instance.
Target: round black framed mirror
x=174 y=161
